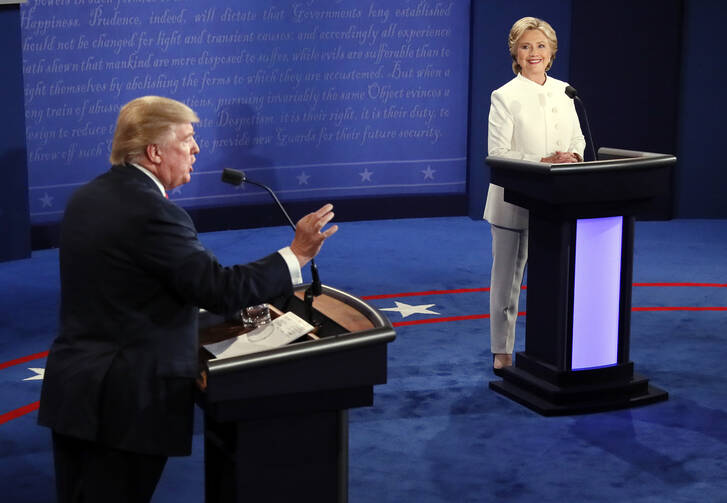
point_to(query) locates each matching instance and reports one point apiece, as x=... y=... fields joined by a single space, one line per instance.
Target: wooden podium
x=581 y=238
x=276 y=421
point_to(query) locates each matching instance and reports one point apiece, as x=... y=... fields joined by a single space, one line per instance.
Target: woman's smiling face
x=534 y=55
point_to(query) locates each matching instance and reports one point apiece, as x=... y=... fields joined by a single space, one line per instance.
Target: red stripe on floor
x=442 y=320
x=419 y=294
x=684 y=308
x=522 y=313
x=14 y=414
x=24 y=359
x=711 y=285
x=524 y=287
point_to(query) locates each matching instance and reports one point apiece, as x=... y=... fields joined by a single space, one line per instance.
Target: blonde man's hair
x=519 y=29
x=145 y=121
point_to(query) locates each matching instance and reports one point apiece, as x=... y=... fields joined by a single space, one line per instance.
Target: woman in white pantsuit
x=531 y=118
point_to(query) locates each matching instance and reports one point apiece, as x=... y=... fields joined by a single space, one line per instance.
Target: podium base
x=575 y=392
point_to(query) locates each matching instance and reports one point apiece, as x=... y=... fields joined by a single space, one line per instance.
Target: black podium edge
x=382 y=333
x=548 y=408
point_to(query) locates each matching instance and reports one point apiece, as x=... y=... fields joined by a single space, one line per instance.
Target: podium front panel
x=596 y=292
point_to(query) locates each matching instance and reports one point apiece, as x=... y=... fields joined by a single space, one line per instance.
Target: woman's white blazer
x=528 y=121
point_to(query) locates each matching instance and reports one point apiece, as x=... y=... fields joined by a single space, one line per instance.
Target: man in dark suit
x=119 y=381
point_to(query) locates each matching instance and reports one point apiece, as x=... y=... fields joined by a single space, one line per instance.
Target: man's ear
x=152 y=153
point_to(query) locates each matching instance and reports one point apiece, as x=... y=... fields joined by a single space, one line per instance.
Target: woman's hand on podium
x=562 y=158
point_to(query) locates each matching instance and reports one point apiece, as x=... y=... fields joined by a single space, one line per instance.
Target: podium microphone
x=573 y=94
x=237 y=177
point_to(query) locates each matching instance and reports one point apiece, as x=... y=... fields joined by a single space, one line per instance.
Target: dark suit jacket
x=133 y=276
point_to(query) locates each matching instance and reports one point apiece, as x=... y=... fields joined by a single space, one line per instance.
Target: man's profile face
x=177 y=155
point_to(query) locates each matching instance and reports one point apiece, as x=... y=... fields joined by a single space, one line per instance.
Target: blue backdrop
x=318 y=98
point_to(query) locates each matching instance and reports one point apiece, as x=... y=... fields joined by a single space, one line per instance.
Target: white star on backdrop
x=429 y=172
x=39 y=373
x=366 y=175
x=46 y=200
x=303 y=179
x=177 y=190
x=407 y=310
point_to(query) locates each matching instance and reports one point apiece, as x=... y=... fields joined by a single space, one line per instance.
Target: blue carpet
x=436 y=433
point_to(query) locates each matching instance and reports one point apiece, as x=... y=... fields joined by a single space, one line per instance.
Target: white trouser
x=509 y=256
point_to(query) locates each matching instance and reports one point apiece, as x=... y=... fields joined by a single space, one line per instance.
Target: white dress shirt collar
x=151 y=175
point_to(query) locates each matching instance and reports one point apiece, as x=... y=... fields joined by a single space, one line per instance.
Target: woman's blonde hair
x=145 y=121
x=519 y=29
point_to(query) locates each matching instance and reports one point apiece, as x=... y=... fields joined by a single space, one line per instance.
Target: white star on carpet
x=39 y=373
x=429 y=172
x=303 y=179
x=407 y=310
x=366 y=175
x=46 y=200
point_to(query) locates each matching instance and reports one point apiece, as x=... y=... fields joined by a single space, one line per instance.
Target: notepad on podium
x=280 y=331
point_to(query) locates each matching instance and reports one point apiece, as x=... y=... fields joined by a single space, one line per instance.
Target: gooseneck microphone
x=573 y=94
x=237 y=177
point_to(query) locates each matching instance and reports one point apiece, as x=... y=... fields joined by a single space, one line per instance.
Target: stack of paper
x=279 y=332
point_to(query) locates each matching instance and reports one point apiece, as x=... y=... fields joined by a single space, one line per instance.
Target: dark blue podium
x=580 y=268
x=276 y=421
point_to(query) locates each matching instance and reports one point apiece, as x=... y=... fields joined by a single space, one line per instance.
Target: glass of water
x=255 y=316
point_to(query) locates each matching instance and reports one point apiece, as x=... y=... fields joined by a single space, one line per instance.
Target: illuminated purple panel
x=596 y=292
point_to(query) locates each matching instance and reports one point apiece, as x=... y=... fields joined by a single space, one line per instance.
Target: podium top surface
x=621 y=182
x=339 y=358
x=610 y=160
x=362 y=325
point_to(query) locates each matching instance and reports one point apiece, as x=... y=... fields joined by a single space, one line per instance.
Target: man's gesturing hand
x=308 y=238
